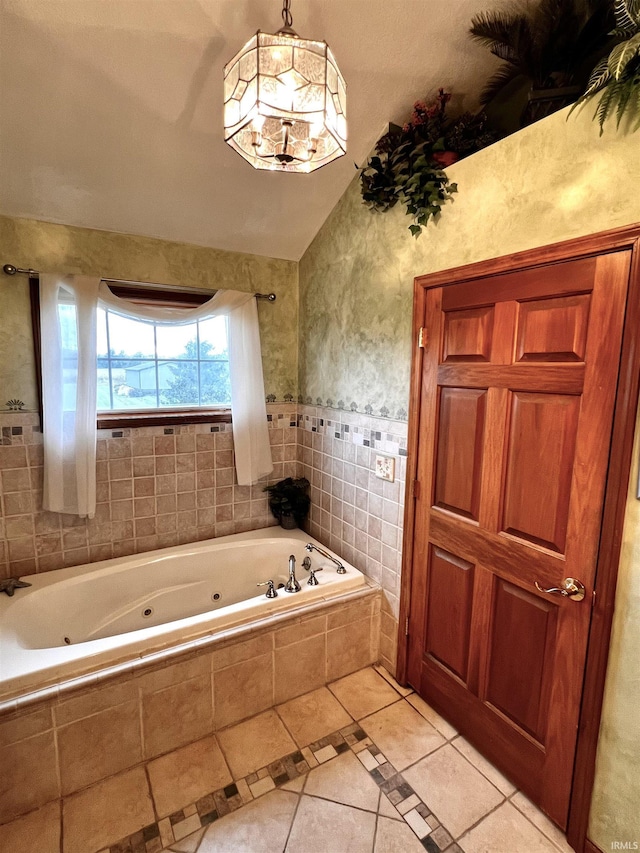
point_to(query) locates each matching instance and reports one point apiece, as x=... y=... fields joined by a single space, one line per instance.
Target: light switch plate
x=385 y=468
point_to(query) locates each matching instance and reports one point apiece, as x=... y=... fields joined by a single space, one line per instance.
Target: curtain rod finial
x=9 y=269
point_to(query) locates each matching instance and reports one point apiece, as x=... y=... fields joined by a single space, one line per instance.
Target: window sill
x=123 y=420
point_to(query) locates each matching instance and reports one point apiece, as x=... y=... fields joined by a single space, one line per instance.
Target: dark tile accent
x=297 y=757
x=215 y=429
x=205 y=804
x=16 y=430
x=403 y=451
x=366 y=442
x=176 y=817
x=269 y=418
x=346 y=427
x=281 y=779
x=169 y=431
x=378 y=436
x=423 y=811
x=337 y=435
x=231 y=790
x=342 y=747
x=209 y=817
x=377 y=777
x=116 y=433
x=150 y=832
x=223 y=805
x=387 y=770
x=430 y=845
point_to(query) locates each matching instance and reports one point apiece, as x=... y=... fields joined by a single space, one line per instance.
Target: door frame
x=615 y=498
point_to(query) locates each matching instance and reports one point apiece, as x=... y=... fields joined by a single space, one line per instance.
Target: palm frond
x=624 y=97
x=627 y=14
x=606 y=101
x=622 y=54
x=600 y=76
x=496 y=83
x=491 y=28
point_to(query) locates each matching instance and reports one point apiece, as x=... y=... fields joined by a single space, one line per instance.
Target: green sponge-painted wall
x=63 y=248
x=555 y=180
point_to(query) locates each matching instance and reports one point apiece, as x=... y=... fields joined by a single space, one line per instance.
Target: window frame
x=143 y=295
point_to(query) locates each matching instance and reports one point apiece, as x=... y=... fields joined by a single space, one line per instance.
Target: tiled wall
x=161 y=487
x=157 y=487
x=358 y=515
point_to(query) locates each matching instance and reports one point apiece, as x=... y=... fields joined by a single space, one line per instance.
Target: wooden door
x=516 y=404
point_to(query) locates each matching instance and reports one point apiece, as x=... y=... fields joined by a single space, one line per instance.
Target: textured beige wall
x=61 y=248
x=552 y=181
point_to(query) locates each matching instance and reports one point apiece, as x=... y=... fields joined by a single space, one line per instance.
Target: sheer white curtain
x=68 y=310
x=70 y=371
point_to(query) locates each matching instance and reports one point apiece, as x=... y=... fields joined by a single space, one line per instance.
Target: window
x=151 y=374
x=145 y=366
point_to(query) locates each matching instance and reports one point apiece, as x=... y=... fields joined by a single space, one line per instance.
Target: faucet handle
x=313 y=580
x=271 y=592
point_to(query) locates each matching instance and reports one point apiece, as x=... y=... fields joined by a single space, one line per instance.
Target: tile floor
x=386 y=775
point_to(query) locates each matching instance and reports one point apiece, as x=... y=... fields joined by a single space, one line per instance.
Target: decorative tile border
x=156 y=837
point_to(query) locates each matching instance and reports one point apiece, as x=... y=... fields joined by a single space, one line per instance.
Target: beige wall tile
x=38 y=832
x=176 y=715
x=164 y=676
x=300 y=667
x=348 y=649
x=22 y=725
x=94 y=701
x=255 y=743
x=235 y=652
x=242 y=690
x=187 y=774
x=29 y=777
x=99 y=746
x=103 y=814
x=347 y=615
x=300 y=630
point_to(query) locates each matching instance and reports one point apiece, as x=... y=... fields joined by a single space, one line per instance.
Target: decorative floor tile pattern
x=190 y=828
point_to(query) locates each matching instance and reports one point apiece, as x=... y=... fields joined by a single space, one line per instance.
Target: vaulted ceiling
x=111 y=110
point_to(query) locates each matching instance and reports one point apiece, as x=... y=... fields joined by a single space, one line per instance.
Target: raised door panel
x=553 y=329
x=468 y=335
x=459 y=450
x=450 y=593
x=540 y=458
x=520 y=656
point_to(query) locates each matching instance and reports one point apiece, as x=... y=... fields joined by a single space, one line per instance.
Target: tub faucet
x=292 y=584
x=311 y=547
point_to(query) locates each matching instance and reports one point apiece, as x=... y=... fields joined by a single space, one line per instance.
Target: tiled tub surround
x=108 y=734
x=361 y=765
x=100 y=618
x=354 y=512
x=156 y=488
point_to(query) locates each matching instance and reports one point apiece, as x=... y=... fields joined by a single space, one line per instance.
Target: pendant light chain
x=286 y=14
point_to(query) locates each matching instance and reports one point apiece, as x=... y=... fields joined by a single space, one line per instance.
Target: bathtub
x=109 y=617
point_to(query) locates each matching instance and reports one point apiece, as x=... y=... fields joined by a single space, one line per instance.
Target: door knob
x=571 y=588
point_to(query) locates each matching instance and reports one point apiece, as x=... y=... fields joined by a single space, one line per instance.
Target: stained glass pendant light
x=285 y=102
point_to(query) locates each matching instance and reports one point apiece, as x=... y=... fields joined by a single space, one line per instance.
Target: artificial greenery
x=290 y=498
x=550 y=46
x=617 y=76
x=409 y=162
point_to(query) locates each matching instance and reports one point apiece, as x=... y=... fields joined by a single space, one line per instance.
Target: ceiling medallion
x=285 y=102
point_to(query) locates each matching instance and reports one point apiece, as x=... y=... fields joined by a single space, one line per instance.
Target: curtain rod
x=9 y=269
